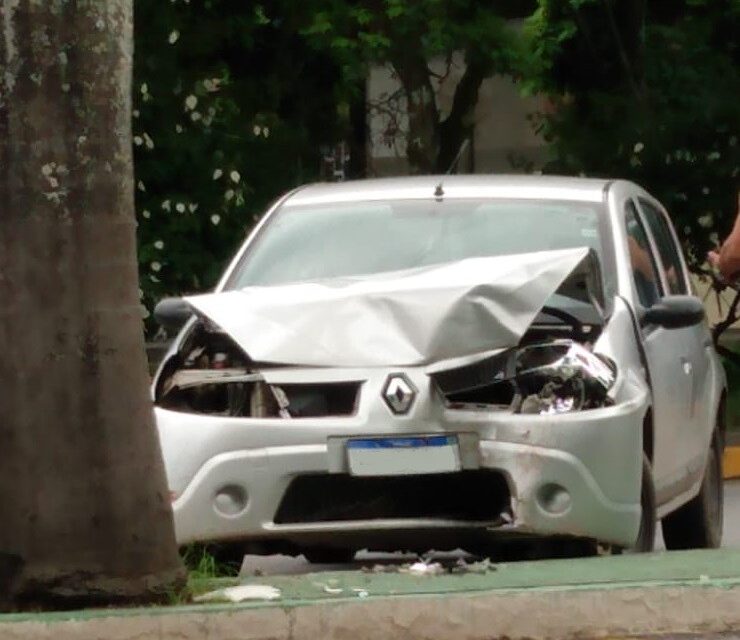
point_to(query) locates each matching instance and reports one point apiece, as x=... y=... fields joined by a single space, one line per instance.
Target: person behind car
x=727 y=258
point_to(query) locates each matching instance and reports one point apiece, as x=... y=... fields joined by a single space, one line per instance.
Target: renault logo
x=399 y=393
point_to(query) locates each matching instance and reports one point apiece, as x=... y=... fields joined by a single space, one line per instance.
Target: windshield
x=345 y=239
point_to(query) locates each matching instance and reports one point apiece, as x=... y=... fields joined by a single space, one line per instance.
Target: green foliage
x=652 y=98
x=203 y=562
x=230 y=110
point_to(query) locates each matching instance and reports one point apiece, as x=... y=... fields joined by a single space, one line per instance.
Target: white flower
x=159 y=245
x=178 y=128
x=705 y=191
x=144 y=89
x=53 y=182
x=166 y=205
x=211 y=84
x=256 y=130
x=229 y=194
x=266 y=131
x=141 y=293
x=638 y=147
x=135 y=113
x=146 y=214
x=195 y=116
x=215 y=218
x=148 y=141
x=180 y=207
x=155 y=266
x=191 y=102
x=174 y=36
x=193 y=207
x=138 y=141
x=217 y=174
x=47 y=170
x=153 y=278
x=235 y=177
x=140 y=186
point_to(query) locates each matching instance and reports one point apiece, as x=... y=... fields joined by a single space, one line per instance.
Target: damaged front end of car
x=508 y=359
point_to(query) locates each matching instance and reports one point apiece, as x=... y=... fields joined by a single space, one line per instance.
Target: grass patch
x=209 y=561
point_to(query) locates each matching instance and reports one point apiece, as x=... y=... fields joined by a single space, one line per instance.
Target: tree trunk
x=422 y=145
x=84 y=507
x=459 y=125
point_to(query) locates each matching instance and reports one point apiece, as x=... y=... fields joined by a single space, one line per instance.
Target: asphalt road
x=288 y=565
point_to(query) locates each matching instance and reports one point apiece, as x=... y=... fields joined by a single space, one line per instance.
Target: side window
x=644 y=270
x=669 y=252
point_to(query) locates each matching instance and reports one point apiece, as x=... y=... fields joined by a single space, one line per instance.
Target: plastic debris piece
x=241 y=593
x=333 y=590
x=423 y=569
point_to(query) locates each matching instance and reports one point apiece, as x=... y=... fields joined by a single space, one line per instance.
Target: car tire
x=698 y=524
x=328 y=555
x=648 y=522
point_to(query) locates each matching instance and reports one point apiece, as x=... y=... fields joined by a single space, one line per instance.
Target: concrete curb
x=534 y=614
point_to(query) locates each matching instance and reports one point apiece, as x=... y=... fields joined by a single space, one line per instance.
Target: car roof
x=452 y=187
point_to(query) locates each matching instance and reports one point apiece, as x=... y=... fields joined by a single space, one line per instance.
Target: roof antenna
x=439 y=191
x=463 y=147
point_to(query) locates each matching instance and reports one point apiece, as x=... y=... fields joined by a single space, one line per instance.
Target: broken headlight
x=562 y=376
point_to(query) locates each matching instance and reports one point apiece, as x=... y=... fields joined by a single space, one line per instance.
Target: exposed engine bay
x=510 y=333
x=549 y=372
x=212 y=375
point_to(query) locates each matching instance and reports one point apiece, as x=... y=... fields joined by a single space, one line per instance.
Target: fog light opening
x=230 y=500
x=554 y=499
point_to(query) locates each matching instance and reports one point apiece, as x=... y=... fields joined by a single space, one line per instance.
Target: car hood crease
x=459 y=311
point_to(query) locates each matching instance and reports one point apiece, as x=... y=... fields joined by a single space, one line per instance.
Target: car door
x=665 y=351
x=695 y=357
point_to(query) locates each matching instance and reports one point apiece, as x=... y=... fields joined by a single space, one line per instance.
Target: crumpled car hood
x=459 y=312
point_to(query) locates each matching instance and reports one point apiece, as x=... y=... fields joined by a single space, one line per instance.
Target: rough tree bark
x=84 y=510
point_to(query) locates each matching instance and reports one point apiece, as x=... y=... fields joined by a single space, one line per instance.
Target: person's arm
x=727 y=259
x=729 y=255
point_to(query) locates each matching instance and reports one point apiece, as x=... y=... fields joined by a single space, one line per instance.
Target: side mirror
x=675 y=312
x=172 y=313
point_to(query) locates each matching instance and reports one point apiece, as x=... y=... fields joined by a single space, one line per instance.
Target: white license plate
x=403 y=456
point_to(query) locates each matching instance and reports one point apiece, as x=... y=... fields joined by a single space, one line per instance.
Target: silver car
x=443 y=362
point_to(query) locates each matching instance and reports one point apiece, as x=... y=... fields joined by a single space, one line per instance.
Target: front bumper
x=574 y=474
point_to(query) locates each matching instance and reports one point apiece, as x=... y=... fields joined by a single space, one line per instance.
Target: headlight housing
x=562 y=376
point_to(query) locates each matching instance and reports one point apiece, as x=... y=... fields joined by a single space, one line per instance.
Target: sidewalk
x=662 y=593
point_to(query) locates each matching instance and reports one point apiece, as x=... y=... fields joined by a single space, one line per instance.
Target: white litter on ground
x=423 y=569
x=241 y=593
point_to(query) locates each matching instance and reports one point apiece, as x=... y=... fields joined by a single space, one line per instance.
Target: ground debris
x=241 y=593
x=423 y=568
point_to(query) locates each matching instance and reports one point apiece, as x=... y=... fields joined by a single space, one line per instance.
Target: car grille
x=476 y=495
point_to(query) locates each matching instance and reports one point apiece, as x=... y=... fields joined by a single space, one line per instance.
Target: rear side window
x=644 y=270
x=669 y=252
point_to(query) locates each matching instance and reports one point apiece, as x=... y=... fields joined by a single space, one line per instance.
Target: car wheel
x=698 y=524
x=646 y=535
x=328 y=555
